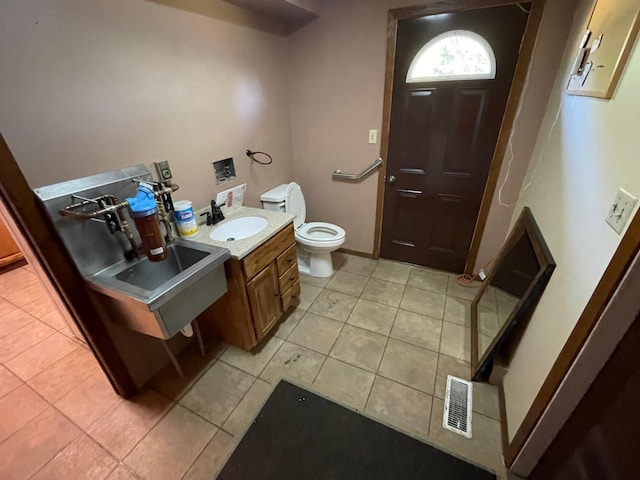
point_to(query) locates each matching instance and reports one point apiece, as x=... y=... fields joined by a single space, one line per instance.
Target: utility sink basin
x=238 y=229
x=160 y=298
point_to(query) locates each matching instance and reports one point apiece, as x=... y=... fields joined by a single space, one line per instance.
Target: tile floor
x=378 y=336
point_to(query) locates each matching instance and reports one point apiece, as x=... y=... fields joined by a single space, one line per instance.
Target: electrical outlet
x=373 y=136
x=164 y=171
x=621 y=210
x=232 y=198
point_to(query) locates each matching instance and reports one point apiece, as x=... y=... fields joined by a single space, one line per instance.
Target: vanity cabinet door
x=264 y=298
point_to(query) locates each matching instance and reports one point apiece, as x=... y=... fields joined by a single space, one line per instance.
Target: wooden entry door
x=443 y=133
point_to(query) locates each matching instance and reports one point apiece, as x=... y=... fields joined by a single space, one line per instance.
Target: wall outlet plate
x=232 y=198
x=164 y=171
x=621 y=210
x=224 y=170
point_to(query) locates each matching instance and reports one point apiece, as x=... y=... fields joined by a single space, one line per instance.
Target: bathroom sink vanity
x=262 y=281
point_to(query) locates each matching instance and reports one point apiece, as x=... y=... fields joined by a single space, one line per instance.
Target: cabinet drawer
x=291 y=296
x=286 y=259
x=267 y=252
x=288 y=278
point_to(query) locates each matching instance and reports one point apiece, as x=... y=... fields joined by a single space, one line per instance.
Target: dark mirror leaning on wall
x=509 y=293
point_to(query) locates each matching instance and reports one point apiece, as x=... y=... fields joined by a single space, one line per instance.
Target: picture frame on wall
x=605 y=48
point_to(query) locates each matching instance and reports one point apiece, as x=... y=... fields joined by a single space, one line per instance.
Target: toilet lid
x=294 y=204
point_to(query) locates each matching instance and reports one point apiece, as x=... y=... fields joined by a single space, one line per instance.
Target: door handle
x=392 y=179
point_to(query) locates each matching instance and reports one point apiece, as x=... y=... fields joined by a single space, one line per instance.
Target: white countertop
x=241 y=248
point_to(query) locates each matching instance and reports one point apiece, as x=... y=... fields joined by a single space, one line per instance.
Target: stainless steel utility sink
x=160 y=298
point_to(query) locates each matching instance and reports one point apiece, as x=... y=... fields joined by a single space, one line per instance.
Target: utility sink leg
x=196 y=327
x=173 y=358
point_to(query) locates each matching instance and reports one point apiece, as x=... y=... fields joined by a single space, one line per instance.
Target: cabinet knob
x=291 y=279
x=290 y=259
x=276 y=294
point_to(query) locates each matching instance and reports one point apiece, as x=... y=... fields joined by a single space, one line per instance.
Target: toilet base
x=316 y=264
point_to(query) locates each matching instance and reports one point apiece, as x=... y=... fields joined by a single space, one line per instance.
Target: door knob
x=392 y=179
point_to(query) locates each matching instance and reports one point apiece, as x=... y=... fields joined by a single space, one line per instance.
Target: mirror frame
x=526 y=225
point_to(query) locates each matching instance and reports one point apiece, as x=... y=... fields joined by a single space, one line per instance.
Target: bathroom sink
x=160 y=298
x=238 y=229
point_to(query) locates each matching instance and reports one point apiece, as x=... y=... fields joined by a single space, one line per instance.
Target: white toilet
x=316 y=240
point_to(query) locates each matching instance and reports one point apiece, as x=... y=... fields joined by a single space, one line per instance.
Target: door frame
x=515 y=94
x=52 y=255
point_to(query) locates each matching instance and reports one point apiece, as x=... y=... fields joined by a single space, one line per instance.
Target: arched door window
x=453 y=55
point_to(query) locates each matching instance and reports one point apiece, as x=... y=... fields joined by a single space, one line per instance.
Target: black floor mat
x=299 y=435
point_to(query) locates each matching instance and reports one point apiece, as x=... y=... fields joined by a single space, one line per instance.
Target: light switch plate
x=373 y=136
x=621 y=210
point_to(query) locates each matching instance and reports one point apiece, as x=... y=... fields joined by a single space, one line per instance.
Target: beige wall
x=336 y=80
x=593 y=150
x=545 y=62
x=88 y=87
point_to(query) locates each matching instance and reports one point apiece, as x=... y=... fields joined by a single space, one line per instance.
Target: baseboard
x=357 y=253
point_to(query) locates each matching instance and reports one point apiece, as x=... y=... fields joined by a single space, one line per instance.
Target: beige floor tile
x=360 y=265
x=316 y=332
x=217 y=392
x=468 y=292
x=450 y=366
x=41 y=355
x=458 y=311
x=308 y=294
x=121 y=428
x=400 y=406
x=89 y=400
x=253 y=362
x=5 y=309
x=82 y=458
x=410 y=365
x=485 y=400
x=373 y=316
x=8 y=381
x=122 y=473
x=295 y=363
x=17 y=279
x=485 y=448
x=19 y=408
x=54 y=320
x=428 y=280
x=456 y=341
x=347 y=283
x=40 y=307
x=289 y=321
x=381 y=291
x=423 y=302
x=489 y=299
x=359 y=347
x=315 y=281
x=56 y=381
x=213 y=458
x=338 y=259
x=23 y=338
x=23 y=296
x=13 y=319
x=488 y=321
x=392 y=271
x=248 y=408
x=171 y=446
x=26 y=451
x=333 y=305
x=193 y=364
x=344 y=383
x=418 y=330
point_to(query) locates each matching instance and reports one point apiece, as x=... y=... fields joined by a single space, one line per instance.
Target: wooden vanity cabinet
x=261 y=287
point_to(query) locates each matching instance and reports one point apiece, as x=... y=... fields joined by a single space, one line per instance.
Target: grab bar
x=357 y=176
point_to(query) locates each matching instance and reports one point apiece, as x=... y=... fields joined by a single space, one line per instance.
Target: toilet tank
x=274 y=198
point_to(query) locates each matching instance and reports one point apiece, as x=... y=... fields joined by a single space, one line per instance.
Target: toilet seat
x=320 y=234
